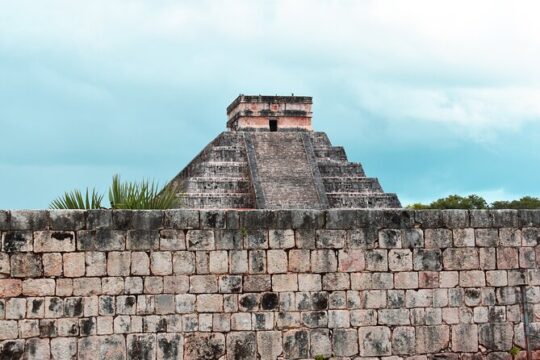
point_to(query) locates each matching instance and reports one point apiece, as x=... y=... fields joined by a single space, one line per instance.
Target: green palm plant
x=76 y=200
x=122 y=195
x=140 y=195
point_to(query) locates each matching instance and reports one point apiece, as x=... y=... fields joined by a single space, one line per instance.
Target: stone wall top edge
x=263 y=219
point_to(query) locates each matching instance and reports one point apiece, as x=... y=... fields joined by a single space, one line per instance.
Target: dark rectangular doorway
x=273 y=125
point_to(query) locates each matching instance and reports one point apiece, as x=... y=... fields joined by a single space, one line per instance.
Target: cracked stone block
x=200 y=240
x=496 y=336
x=54 y=241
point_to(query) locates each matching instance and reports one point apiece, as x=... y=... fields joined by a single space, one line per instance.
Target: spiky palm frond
x=76 y=200
x=141 y=195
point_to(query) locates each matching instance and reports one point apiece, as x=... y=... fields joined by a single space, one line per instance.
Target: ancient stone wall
x=347 y=284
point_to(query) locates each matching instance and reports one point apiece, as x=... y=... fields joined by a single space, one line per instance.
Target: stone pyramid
x=270 y=158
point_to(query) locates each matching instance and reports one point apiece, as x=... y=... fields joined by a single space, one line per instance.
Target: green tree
x=526 y=202
x=460 y=202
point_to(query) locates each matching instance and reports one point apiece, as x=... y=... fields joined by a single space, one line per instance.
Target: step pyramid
x=270 y=158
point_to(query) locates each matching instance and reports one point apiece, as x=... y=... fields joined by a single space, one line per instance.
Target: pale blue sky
x=432 y=97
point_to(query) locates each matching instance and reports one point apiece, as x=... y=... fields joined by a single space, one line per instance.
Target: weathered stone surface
x=432 y=339
x=201 y=346
x=64 y=348
x=26 y=265
x=296 y=344
x=241 y=345
x=142 y=240
x=17 y=241
x=374 y=341
x=101 y=240
x=496 y=336
x=169 y=347
x=54 y=241
x=141 y=346
x=10 y=288
x=464 y=338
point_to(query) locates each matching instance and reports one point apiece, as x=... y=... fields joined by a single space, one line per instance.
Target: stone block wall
x=345 y=284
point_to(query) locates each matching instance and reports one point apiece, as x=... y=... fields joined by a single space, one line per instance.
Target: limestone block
x=202 y=262
x=67 y=219
x=228 y=239
x=175 y=284
x=345 y=342
x=285 y=282
x=305 y=239
x=64 y=287
x=281 y=239
x=376 y=260
x=375 y=299
x=185 y=303
x=10 y=288
x=37 y=349
x=248 y=302
x=26 y=265
x=219 y=262
x=366 y=317
x=212 y=219
x=142 y=240
x=74 y=264
x=400 y=260
x=299 y=260
x=428 y=279
x=141 y=346
x=296 y=344
x=230 y=284
x=438 y=238
x=487 y=258
x=473 y=278
x=465 y=338
x=86 y=286
x=269 y=344
x=527 y=258
x=29 y=219
x=200 y=240
x=351 y=260
x=277 y=261
x=38 y=287
x=96 y=263
x=464 y=237
x=440 y=298
x=427 y=259
x=184 y=262
x=35 y=308
x=314 y=319
x=309 y=282
x=412 y=238
x=432 y=339
x=101 y=240
x=241 y=321
x=221 y=322
x=257 y=283
x=118 y=263
x=63 y=348
x=323 y=261
x=115 y=285
x=487 y=237
x=239 y=261
x=390 y=238
x=203 y=284
x=406 y=280
x=382 y=281
x=209 y=303
x=374 y=341
x=455 y=219
x=393 y=317
x=403 y=340
x=68 y=327
x=395 y=299
x=419 y=298
x=169 y=346
x=17 y=241
x=153 y=285
x=530 y=236
x=338 y=319
x=360 y=281
x=496 y=336
x=336 y=281
x=262 y=321
x=54 y=241
x=161 y=263
x=510 y=237
x=181 y=219
x=448 y=279
x=507 y=258
x=330 y=239
x=241 y=345
x=460 y=259
x=257 y=261
x=171 y=240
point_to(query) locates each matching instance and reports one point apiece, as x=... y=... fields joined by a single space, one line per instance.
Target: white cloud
x=470 y=65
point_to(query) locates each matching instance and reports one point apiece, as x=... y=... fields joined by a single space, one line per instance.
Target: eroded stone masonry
x=269 y=284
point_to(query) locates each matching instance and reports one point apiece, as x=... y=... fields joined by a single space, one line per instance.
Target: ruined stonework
x=270 y=158
x=269 y=284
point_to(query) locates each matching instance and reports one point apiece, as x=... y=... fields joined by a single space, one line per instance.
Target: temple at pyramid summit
x=271 y=158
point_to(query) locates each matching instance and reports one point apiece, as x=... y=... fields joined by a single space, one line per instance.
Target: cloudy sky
x=432 y=97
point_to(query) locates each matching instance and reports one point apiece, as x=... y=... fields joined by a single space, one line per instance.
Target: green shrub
x=75 y=200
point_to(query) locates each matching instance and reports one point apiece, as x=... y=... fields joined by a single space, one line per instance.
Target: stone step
x=218 y=201
x=226 y=153
x=220 y=169
x=230 y=138
x=352 y=200
x=218 y=185
x=352 y=185
x=337 y=169
x=320 y=139
x=330 y=152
